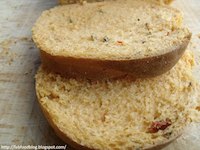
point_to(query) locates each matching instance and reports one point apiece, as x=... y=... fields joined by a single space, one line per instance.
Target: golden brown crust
x=100 y=69
x=62 y=2
x=77 y=146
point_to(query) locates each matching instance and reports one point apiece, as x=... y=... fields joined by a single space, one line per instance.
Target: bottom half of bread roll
x=119 y=114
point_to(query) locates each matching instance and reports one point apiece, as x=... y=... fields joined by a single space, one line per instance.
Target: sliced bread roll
x=118 y=114
x=108 y=40
x=82 y=1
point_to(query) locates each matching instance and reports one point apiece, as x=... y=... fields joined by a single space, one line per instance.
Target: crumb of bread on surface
x=26 y=39
x=28 y=72
x=6 y=52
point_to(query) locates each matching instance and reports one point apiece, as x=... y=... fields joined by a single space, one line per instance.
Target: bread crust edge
x=110 y=69
x=64 y=2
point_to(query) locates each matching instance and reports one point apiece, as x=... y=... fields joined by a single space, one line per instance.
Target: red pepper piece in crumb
x=159 y=125
x=120 y=43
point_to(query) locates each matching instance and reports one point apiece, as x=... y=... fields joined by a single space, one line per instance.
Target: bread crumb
x=120 y=105
x=31 y=47
x=113 y=29
x=5 y=48
x=5 y=52
x=28 y=72
x=25 y=39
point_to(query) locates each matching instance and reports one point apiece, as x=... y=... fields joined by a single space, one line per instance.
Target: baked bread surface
x=115 y=39
x=118 y=114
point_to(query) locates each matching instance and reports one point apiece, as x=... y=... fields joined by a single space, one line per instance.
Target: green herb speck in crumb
x=70 y=20
x=100 y=11
x=93 y=37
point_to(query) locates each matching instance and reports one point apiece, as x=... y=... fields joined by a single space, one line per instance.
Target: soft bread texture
x=82 y=1
x=115 y=38
x=117 y=114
